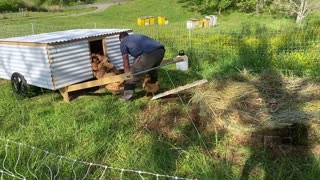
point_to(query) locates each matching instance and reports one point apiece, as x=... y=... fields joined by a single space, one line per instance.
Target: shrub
x=12 y=5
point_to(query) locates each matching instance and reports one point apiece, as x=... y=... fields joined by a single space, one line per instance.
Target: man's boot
x=128 y=92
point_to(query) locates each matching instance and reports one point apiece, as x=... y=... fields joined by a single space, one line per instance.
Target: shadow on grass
x=281 y=151
x=284 y=150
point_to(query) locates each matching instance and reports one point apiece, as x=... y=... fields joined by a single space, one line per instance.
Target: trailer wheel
x=19 y=85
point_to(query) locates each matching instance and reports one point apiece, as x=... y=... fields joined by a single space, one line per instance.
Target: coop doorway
x=97 y=47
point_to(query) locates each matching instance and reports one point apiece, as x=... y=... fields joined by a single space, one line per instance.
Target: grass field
x=243 y=124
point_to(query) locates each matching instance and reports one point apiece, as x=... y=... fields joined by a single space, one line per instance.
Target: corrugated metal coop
x=58 y=59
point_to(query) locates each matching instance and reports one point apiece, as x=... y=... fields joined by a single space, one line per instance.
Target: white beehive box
x=213 y=20
x=58 y=59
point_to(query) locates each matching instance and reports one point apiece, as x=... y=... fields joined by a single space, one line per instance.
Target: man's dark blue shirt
x=137 y=44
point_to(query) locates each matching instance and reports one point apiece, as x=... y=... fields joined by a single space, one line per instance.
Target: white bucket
x=183 y=66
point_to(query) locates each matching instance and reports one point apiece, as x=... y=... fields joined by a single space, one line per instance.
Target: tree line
x=281 y=8
x=13 y=5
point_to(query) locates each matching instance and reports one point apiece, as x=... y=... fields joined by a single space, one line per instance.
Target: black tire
x=19 y=85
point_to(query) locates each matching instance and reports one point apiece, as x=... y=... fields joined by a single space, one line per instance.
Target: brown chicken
x=101 y=66
x=149 y=87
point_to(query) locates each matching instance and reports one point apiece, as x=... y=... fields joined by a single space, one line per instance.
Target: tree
x=302 y=8
x=11 y=5
x=208 y=6
x=247 y=5
x=224 y=4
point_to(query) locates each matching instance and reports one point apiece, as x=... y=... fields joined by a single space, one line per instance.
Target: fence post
x=95 y=25
x=32 y=28
x=190 y=46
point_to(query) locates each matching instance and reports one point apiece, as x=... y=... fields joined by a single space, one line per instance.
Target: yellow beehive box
x=162 y=20
x=141 y=21
x=151 y=20
x=204 y=23
x=145 y=20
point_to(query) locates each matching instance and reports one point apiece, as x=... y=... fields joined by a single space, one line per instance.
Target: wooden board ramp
x=180 y=88
x=107 y=74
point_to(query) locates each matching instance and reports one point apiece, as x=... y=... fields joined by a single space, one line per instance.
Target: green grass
x=95 y=129
x=154 y=136
x=99 y=1
x=17 y=18
x=126 y=14
x=235 y=21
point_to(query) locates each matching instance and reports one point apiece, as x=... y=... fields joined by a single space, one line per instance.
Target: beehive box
x=145 y=20
x=162 y=20
x=58 y=59
x=193 y=23
x=213 y=20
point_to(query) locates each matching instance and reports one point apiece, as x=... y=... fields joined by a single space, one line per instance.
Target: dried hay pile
x=235 y=106
x=167 y=120
x=263 y=106
x=271 y=111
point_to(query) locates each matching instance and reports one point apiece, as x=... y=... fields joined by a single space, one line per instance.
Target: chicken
x=115 y=88
x=101 y=66
x=149 y=87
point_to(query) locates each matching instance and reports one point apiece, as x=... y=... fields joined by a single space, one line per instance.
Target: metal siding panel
x=42 y=83
x=74 y=80
x=30 y=61
x=13 y=63
x=66 y=48
x=78 y=73
x=65 y=36
x=23 y=49
x=72 y=59
x=71 y=67
x=114 y=53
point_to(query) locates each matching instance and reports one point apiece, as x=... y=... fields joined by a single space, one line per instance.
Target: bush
x=12 y=5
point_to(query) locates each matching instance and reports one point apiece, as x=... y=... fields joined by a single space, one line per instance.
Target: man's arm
x=126 y=64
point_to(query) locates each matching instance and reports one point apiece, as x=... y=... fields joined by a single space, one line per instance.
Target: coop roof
x=62 y=36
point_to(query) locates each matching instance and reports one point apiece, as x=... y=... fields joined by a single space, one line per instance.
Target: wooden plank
x=180 y=88
x=104 y=46
x=176 y=59
x=99 y=82
x=22 y=43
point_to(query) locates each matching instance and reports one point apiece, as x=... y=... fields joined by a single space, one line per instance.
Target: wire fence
x=295 y=49
x=23 y=161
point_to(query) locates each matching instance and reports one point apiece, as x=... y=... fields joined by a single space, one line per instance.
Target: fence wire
x=250 y=46
x=23 y=161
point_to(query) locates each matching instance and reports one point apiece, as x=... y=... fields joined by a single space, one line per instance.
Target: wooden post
x=65 y=94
